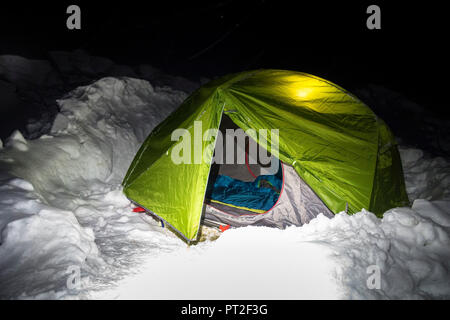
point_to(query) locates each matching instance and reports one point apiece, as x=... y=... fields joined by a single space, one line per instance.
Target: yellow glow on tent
x=300 y=87
x=303 y=92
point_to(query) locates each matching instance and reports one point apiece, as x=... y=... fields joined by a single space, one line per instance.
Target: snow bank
x=67 y=230
x=29 y=88
x=27 y=72
x=426 y=177
x=39 y=246
x=93 y=138
x=67 y=210
x=326 y=259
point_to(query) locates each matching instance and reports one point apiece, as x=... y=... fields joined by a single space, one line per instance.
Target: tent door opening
x=241 y=181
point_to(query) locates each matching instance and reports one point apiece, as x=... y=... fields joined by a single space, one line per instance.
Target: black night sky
x=212 y=38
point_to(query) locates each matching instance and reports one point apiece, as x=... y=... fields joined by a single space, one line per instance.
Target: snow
x=62 y=211
x=245 y=263
x=29 y=88
x=426 y=177
x=67 y=206
x=326 y=259
x=17 y=141
x=28 y=72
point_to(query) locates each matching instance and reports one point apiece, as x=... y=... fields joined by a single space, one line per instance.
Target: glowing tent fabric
x=335 y=143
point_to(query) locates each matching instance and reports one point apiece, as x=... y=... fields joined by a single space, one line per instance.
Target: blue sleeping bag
x=261 y=194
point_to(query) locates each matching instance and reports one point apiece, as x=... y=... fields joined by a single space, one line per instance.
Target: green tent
x=336 y=154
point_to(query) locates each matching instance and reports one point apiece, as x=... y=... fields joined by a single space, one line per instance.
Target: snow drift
x=62 y=210
x=67 y=202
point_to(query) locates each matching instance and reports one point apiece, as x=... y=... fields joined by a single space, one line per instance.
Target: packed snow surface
x=68 y=232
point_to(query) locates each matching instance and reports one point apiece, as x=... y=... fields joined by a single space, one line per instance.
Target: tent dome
x=332 y=141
